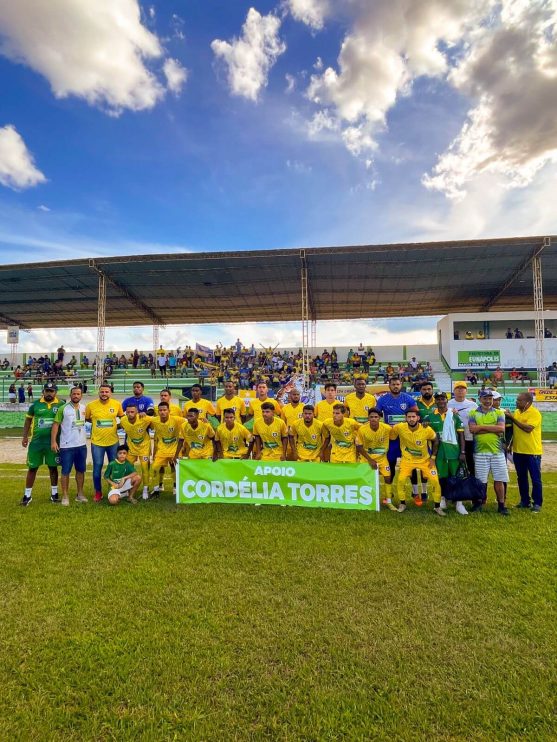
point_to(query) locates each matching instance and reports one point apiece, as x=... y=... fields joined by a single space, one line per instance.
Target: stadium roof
x=265 y=285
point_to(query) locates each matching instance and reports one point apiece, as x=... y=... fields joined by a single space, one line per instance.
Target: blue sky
x=204 y=125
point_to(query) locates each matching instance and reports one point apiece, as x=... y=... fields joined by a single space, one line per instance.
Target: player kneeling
x=414 y=445
x=122 y=478
x=372 y=444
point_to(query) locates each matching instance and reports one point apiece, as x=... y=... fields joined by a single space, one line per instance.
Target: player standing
x=138 y=442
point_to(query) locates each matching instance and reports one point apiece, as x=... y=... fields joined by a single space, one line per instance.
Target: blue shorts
x=70 y=457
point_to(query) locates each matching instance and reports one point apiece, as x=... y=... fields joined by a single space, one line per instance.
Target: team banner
x=544 y=395
x=302 y=484
x=470 y=358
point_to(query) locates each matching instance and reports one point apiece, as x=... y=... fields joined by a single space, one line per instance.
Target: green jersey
x=116 y=471
x=425 y=409
x=487 y=442
x=436 y=421
x=42 y=414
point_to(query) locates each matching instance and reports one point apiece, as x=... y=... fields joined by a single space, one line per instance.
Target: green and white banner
x=302 y=484
x=474 y=358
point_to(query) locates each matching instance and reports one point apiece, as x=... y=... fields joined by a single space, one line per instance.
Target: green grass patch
x=160 y=622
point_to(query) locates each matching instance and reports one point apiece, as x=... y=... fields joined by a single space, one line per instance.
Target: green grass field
x=220 y=622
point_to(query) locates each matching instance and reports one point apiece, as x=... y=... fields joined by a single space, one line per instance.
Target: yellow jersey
x=529 y=443
x=374 y=442
x=255 y=406
x=236 y=403
x=308 y=439
x=104 y=425
x=204 y=406
x=360 y=407
x=166 y=435
x=343 y=440
x=233 y=442
x=199 y=441
x=324 y=410
x=291 y=414
x=174 y=410
x=137 y=435
x=414 y=444
x=271 y=438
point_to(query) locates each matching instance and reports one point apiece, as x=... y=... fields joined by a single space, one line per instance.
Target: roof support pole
x=101 y=327
x=539 y=318
x=156 y=340
x=305 y=318
x=313 y=336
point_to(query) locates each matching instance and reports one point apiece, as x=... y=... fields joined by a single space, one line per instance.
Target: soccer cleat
x=25 y=501
x=461 y=509
x=443 y=503
x=503 y=510
x=522 y=506
x=154 y=494
x=65 y=501
x=81 y=498
x=439 y=511
x=385 y=501
x=145 y=496
x=54 y=498
x=392 y=507
x=418 y=500
x=402 y=507
x=477 y=507
x=98 y=496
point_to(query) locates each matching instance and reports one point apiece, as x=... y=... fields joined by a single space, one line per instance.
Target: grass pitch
x=218 y=622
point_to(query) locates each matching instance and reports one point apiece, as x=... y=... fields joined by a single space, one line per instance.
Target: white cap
x=496 y=395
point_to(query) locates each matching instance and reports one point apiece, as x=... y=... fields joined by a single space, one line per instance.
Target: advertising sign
x=475 y=358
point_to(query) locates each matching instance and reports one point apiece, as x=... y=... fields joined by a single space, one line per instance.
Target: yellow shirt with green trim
x=360 y=407
x=324 y=409
x=255 y=406
x=414 y=444
x=271 y=438
x=204 y=406
x=166 y=435
x=374 y=442
x=199 y=440
x=104 y=423
x=343 y=440
x=234 y=442
x=290 y=413
x=236 y=403
x=308 y=439
x=137 y=435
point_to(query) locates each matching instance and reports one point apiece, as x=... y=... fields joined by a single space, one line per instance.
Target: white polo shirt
x=72 y=425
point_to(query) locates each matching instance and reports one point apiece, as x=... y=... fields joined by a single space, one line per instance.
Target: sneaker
x=54 y=498
x=145 y=496
x=98 y=496
x=503 y=510
x=477 y=507
x=402 y=507
x=418 y=500
x=25 y=501
x=65 y=501
x=424 y=497
x=522 y=506
x=439 y=511
x=443 y=504
x=81 y=498
x=154 y=494
x=390 y=506
x=536 y=508
x=460 y=509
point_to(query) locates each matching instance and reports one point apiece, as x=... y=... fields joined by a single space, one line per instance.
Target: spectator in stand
x=509 y=334
x=547 y=333
x=29 y=393
x=135 y=361
x=497 y=377
x=161 y=362
x=60 y=353
x=85 y=362
x=5 y=364
x=12 y=394
x=171 y=362
x=552 y=374
x=471 y=377
x=518 y=334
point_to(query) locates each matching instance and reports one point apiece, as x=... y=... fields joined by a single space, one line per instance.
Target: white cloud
x=511 y=71
x=175 y=74
x=290 y=83
x=250 y=57
x=310 y=12
x=17 y=169
x=42 y=207
x=99 y=54
x=390 y=44
x=296 y=166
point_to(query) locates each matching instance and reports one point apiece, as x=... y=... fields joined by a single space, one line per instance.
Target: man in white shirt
x=463 y=406
x=71 y=443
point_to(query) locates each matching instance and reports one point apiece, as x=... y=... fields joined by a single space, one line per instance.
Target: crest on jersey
x=403 y=406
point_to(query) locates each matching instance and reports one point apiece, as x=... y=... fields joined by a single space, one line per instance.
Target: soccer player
x=67 y=437
x=415 y=454
x=174 y=409
x=196 y=437
x=527 y=450
x=340 y=437
x=138 y=442
x=359 y=402
x=271 y=435
x=122 y=478
x=166 y=429
x=463 y=406
x=394 y=405
x=372 y=444
x=144 y=405
x=197 y=402
x=488 y=426
x=39 y=420
x=103 y=414
x=449 y=455
x=233 y=440
x=425 y=404
x=294 y=410
x=306 y=436
x=231 y=401
x=256 y=405
x=324 y=408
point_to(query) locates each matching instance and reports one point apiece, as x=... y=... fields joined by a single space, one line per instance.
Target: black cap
x=440 y=394
x=50 y=386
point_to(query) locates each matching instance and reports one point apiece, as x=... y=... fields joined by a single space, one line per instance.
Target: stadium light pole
x=101 y=327
x=156 y=329
x=305 y=318
x=539 y=318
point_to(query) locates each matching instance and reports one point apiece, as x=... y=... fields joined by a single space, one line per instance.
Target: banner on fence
x=301 y=484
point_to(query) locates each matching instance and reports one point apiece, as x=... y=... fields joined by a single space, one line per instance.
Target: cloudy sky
x=185 y=125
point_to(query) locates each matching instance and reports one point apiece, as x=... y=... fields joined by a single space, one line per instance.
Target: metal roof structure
x=364 y=281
